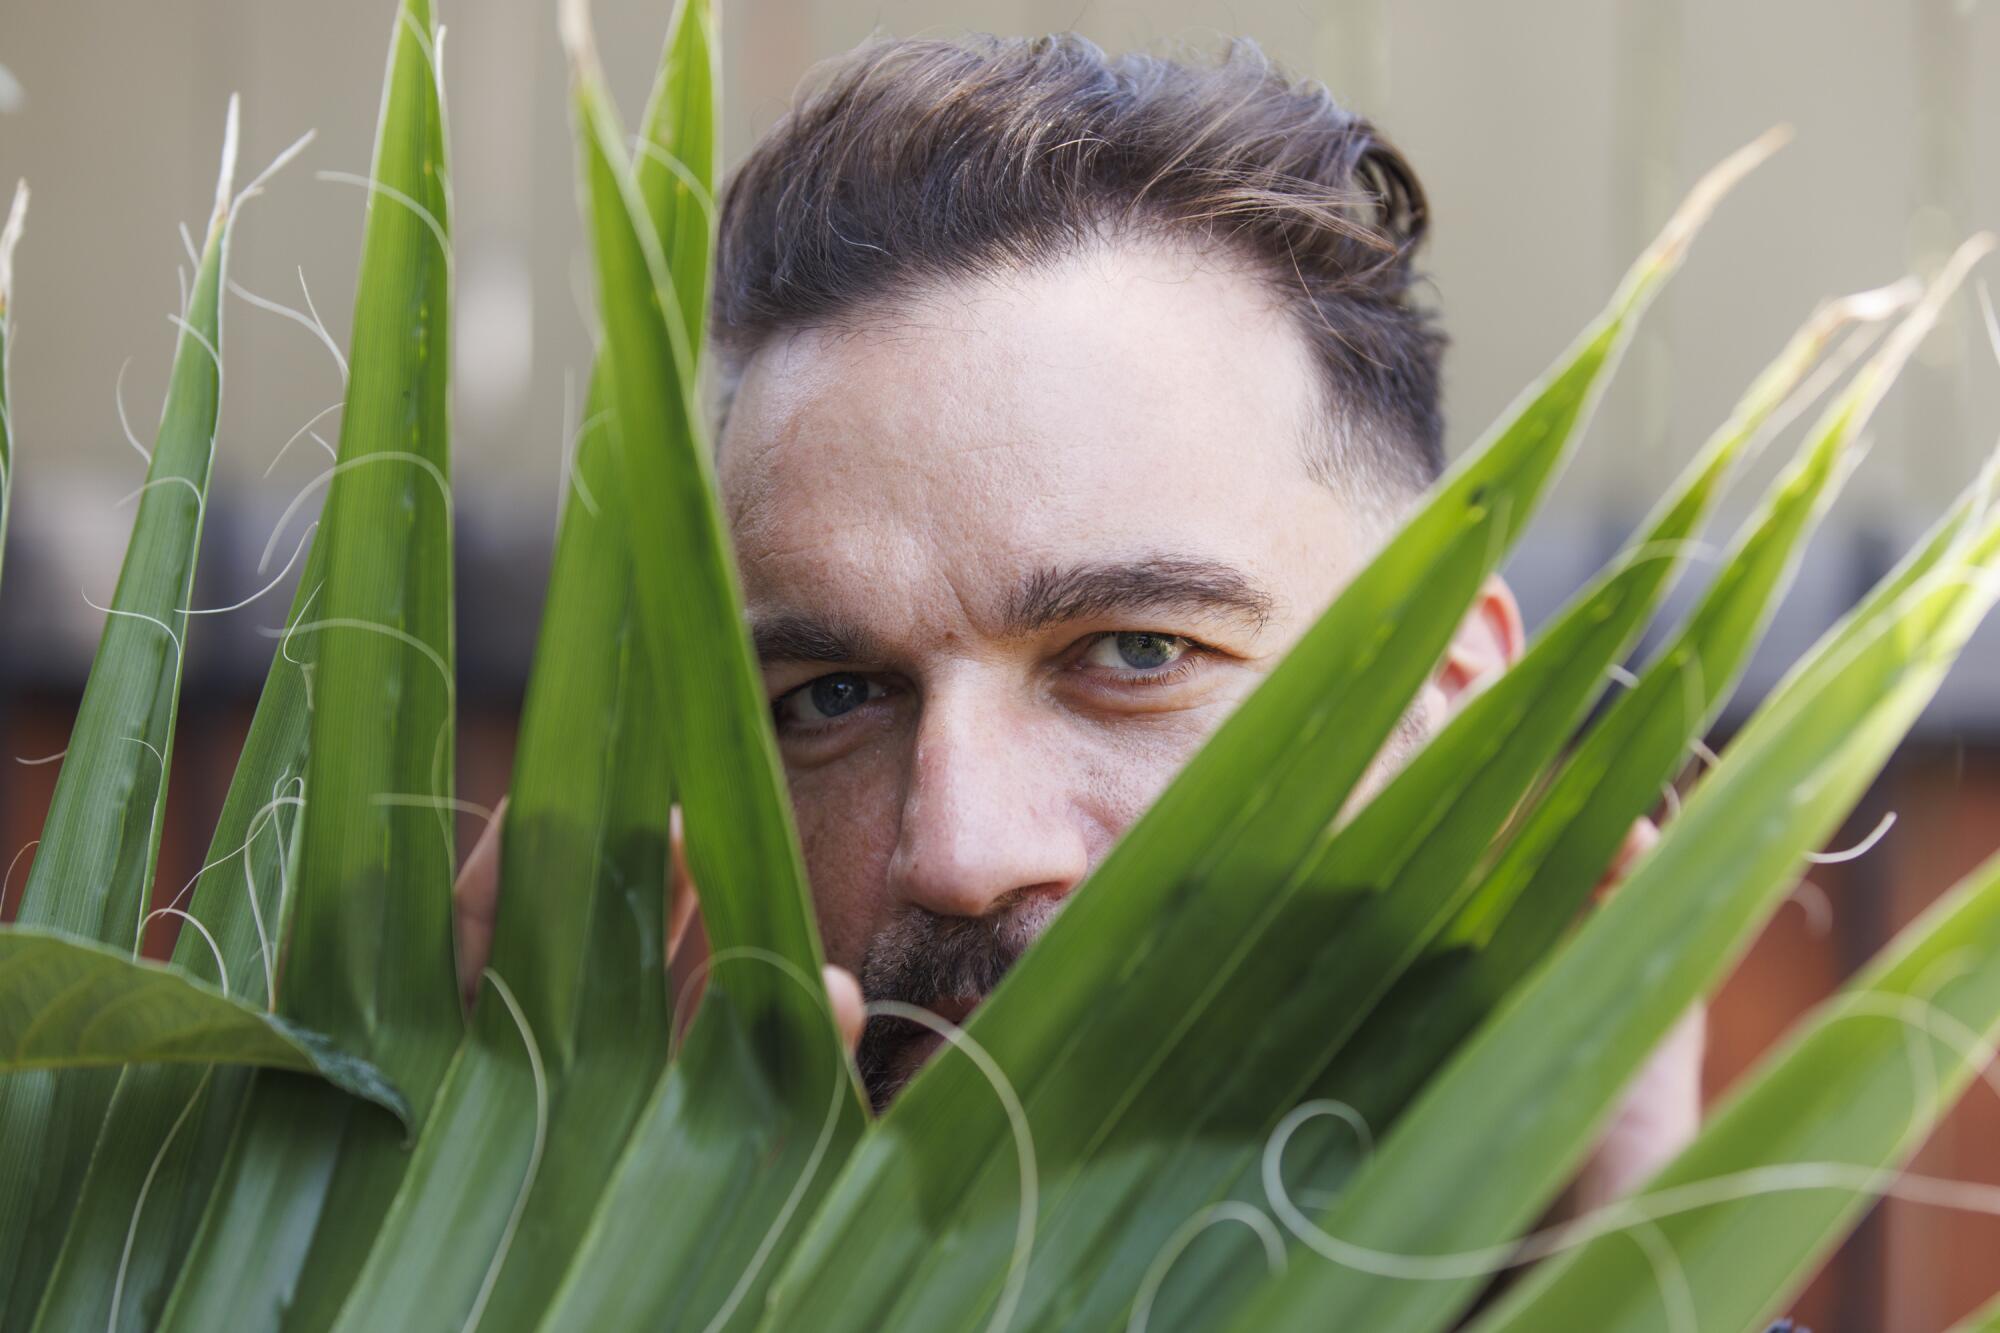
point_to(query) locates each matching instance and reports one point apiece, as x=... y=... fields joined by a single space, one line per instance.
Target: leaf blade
x=1632 y=969
x=100 y=841
x=67 y=1003
x=1834 y=1094
x=369 y=958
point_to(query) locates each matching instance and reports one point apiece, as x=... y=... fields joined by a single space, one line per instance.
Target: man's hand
x=1662 y=1108
x=475 y=906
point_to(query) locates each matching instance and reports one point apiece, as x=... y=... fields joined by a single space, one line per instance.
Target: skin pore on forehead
x=956 y=498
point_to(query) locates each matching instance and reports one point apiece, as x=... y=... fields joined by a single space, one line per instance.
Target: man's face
x=1012 y=551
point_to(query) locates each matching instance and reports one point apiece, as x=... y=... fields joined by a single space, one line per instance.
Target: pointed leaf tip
x=573 y=21
x=1672 y=242
x=10 y=236
x=225 y=181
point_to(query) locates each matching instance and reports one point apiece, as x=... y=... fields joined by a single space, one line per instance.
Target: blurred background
x=1554 y=137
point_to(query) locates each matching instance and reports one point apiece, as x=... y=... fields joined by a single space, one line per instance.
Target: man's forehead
x=1141 y=342
x=1120 y=410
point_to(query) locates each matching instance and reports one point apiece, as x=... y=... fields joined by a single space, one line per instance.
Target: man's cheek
x=847 y=816
x=1120 y=768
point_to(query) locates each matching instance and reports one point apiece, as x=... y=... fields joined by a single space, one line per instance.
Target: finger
x=1658 y=1116
x=1639 y=840
x=681 y=900
x=687 y=942
x=844 y=992
x=475 y=904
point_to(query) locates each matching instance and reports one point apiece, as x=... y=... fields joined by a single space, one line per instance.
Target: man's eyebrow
x=792 y=637
x=1048 y=597
x=1187 y=584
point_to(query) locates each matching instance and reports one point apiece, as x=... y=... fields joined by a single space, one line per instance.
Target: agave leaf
x=1567 y=840
x=571 y=1032
x=1190 y=891
x=542 y=1096
x=95 y=863
x=741 y=847
x=167 y=1126
x=73 y=1004
x=1412 y=850
x=369 y=956
x=10 y=236
x=1526 y=902
x=744 y=1130
x=167 y=1129
x=674 y=166
x=368 y=960
x=1545 y=1071
x=1798 y=1151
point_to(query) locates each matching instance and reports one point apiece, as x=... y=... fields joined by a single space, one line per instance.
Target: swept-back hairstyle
x=919 y=161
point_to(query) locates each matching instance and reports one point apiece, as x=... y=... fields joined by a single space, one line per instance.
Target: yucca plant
x=1400 y=1056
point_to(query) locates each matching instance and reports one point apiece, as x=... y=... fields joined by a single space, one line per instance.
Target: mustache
x=926 y=958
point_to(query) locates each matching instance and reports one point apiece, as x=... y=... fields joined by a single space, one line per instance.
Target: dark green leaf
x=73 y=1004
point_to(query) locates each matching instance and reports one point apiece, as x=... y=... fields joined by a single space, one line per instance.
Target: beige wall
x=1552 y=134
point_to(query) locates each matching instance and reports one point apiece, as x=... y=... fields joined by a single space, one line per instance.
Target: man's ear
x=1489 y=640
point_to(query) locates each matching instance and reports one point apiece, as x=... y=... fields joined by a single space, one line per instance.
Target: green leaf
x=94 y=866
x=1405 y=859
x=168 y=1127
x=369 y=957
x=1784 y=1169
x=571 y=1030
x=10 y=236
x=741 y=846
x=368 y=960
x=1196 y=889
x=571 y=1026
x=1547 y=870
x=1530 y=897
x=1544 y=1072
x=744 y=1131
x=74 y=1004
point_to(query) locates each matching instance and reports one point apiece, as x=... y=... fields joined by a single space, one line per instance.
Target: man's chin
x=910 y=1057
x=888 y=1074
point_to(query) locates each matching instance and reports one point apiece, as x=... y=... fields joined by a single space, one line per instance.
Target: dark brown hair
x=925 y=160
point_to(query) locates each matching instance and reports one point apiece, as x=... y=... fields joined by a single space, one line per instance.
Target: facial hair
x=927 y=959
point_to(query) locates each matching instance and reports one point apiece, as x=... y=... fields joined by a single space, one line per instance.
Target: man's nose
x=987 y=811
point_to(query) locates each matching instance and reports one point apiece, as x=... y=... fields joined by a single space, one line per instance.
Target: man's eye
x=824 y=699
x=1135 y=650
